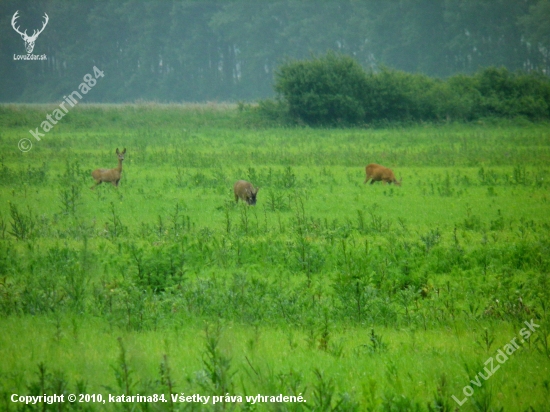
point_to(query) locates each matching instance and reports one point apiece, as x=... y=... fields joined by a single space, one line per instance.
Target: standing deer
x=380 y=174
x=109 y=175
x=245 y=191
x=29 y=40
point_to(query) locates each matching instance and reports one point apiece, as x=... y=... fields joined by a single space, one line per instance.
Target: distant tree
x=483 y=33
x=409 y=35
x=536 y=26
x=506 y=94
x=189 y=50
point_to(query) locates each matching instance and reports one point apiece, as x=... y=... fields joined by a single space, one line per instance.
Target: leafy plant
x=325 y=90
x=22 y=226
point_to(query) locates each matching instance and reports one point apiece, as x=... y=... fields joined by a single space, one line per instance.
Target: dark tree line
x=335 y=90
x=193 y=50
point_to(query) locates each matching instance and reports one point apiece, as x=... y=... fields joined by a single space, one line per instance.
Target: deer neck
x=119 y=167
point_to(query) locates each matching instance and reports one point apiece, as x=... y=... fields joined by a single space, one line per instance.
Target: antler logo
x=29 y=40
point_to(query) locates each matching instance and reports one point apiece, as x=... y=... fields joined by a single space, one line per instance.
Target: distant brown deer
x=245 y=191
x=109 y=175
x=380 y=174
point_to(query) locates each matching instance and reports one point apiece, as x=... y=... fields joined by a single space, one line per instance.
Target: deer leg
x=96 y=184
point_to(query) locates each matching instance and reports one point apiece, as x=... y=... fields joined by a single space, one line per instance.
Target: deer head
x=29 y=40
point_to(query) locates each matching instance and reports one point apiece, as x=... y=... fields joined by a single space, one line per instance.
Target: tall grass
x=359 y=297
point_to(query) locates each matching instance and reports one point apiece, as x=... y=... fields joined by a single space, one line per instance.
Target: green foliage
x=231 y=50
x=32 y=175
x=22 y=225
x=335 y=90
x=217 y=375
x=323 y=90
x=124 y=374
x=398 y=96
x=505 y=94
x=317 y=287
x=48 y=383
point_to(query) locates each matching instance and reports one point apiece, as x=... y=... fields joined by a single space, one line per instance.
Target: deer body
x=380 y=174
x=109 y=175
x=246 y=192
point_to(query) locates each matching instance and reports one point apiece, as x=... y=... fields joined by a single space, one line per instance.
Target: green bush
x=393 y=95
x=505 y=94
x=324 y=90
x=335 y=90
x=464 y=98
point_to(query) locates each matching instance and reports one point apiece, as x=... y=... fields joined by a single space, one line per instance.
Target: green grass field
x=355 y=297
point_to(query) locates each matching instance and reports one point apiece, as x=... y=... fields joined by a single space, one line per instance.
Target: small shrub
x=22 y=225
x=324 y=90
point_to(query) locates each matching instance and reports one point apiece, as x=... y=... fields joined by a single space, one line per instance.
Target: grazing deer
x=109 y=175
x=29 y=40
x=380 y=173
x=245 y=191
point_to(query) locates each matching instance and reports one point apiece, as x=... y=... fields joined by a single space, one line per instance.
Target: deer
x=380 y=174
x=245 y=191
x=109 y=175
x=29 y=40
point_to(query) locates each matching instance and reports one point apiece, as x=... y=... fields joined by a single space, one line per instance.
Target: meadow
x=355 y=297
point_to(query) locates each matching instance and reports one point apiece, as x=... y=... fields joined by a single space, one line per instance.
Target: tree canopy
x=335 y=90
x=189 y=50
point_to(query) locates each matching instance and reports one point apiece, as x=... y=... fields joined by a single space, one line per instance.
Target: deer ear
x=117 y=150
x=124 y=151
